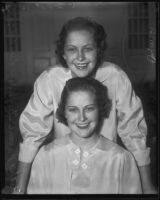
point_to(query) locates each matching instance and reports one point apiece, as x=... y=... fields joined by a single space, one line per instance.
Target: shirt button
x=85 y=154
x=75 y=162
x=84 y=166
x=77 y=151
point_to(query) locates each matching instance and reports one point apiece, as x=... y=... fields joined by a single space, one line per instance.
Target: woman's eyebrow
x=90 y=44
x=70 y=106
x=72 y=45
x=93 y=104
x=69 y=45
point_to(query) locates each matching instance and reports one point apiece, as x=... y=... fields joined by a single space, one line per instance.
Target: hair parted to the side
x=85 y=84
x=82 y=23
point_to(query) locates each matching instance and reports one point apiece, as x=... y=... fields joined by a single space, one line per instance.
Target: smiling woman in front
x=83 y=161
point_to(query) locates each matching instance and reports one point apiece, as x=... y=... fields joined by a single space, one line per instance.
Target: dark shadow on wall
x=16 y=98
x=148 y=95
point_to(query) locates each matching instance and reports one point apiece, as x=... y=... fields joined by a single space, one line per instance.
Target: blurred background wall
x=31 y=30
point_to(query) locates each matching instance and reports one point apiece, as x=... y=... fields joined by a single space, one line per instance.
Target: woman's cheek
x=71 y=117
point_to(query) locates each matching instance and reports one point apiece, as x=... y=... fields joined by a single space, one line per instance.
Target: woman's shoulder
x=46 y=152
x=110 y=146
x=108 y=70
x=109 y=66
x=114 y=149
x=57 y=143
x=54 y=72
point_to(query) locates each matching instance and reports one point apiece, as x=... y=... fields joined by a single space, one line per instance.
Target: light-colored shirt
x=62 y=167
x=126 y=118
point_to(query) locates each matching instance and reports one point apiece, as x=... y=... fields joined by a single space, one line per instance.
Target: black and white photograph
x=80 y=98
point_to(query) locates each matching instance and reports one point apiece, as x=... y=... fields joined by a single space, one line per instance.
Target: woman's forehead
x=81 y=28
x=87 y=91
x=81 y=95
x=76 y=34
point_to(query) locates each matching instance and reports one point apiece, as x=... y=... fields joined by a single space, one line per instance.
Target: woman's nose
x=82 y=116
x=80 y=56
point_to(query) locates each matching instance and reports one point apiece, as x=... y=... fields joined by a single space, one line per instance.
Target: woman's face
x=80 y=52
x=81 y=112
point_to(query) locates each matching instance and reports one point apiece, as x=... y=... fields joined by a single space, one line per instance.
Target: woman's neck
x=84 y=143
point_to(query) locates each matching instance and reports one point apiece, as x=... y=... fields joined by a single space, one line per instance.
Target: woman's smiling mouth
x=81 y=66
x=85 y=125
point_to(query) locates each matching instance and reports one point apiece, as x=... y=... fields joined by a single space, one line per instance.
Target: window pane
x=138 y=25
x=13 y=44
x=18 y=44
x=146 y=41
x=146 y=9
x=12 y=28
x=146 y=25
x=18 y=27
x=17 y=11
x=8 y=44
x=7 y=28
x=11 y=12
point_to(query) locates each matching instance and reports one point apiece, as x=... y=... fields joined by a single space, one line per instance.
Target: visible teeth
x=81 y=65
x=82 y=125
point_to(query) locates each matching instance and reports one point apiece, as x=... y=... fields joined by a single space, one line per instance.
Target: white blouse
x=126 y=118
x=61 y=167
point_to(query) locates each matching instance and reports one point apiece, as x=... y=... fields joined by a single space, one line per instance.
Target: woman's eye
x=72 y=110
x=90 y=109
x=89 y=49
x=71 y=50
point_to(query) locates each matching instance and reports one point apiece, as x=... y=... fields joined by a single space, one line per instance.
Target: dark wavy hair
x=85 y=84
x=82 y=23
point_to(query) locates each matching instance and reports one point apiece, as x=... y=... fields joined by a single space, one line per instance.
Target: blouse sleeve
x=130 y=182
x=37 y=119
x=131 y=123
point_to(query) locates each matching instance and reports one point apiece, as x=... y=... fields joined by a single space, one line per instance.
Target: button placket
x=85 y=157
x=75 y=157
x=77 y=151
x=75 y=162
x=84 y=166
x=85 y=154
